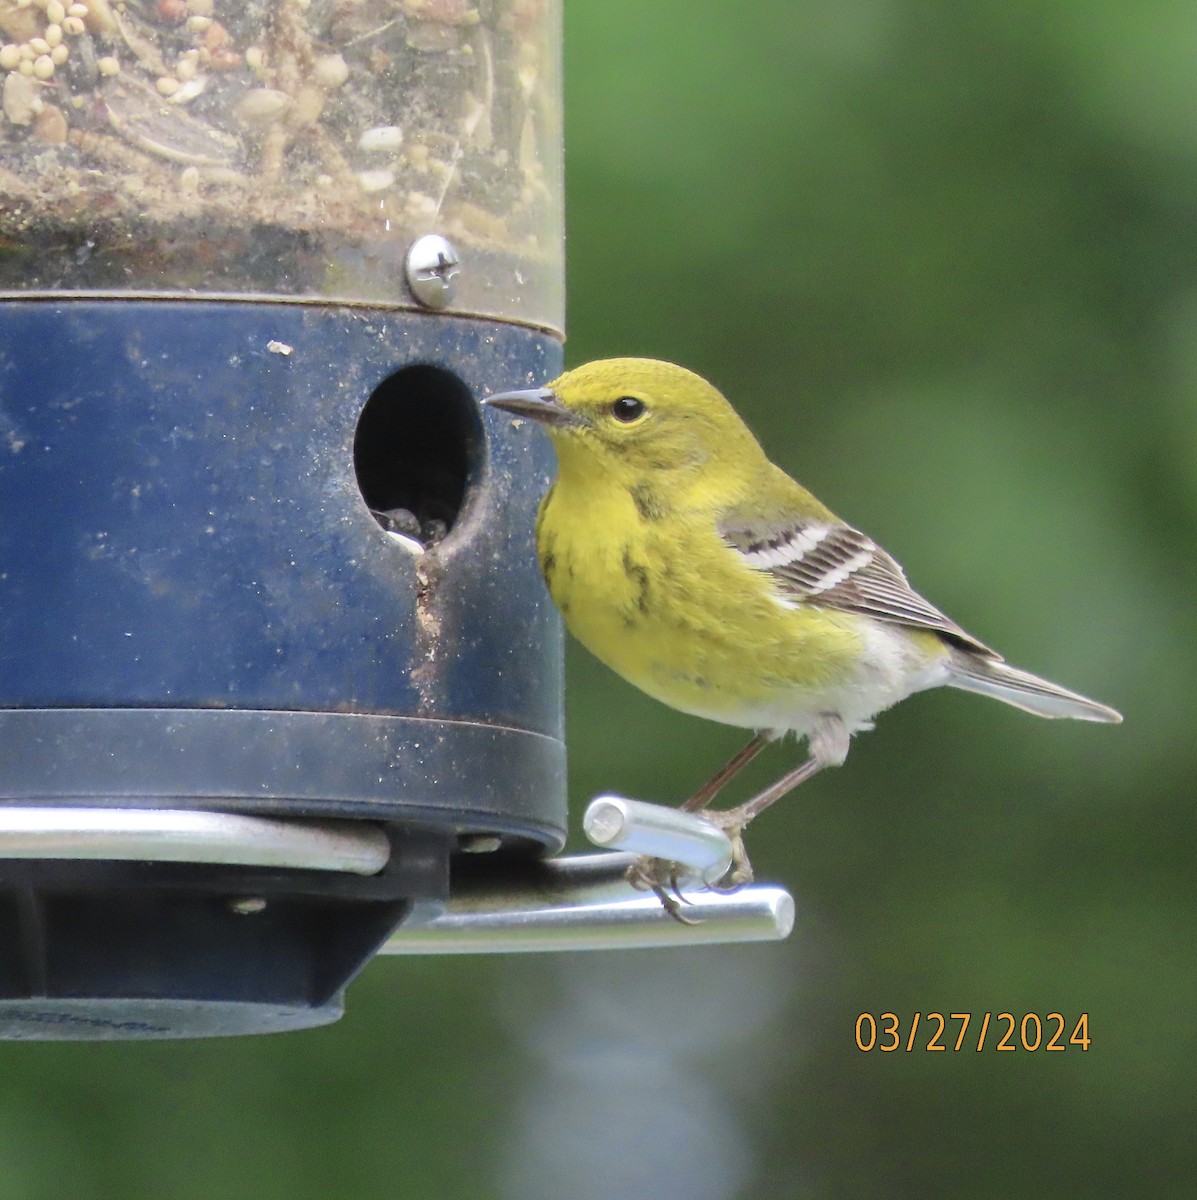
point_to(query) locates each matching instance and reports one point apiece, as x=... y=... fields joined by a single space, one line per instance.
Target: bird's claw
x=740 y=872
x=660 y=876
x=739 y=875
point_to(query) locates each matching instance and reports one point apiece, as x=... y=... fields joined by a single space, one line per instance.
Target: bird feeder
x=275 y=657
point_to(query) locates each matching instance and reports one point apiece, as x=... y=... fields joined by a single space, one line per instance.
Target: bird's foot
x=732 y=821
x=660 y=876
x=663 y=878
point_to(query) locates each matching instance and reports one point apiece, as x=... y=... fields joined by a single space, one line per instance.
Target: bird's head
x=633 y=418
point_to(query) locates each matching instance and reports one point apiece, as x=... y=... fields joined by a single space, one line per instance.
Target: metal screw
x=432 y=267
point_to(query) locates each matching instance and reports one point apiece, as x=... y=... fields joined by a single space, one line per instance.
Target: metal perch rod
x=687 y=839
x=583 y=902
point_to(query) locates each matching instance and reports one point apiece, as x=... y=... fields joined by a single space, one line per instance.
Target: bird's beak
x=538 y=404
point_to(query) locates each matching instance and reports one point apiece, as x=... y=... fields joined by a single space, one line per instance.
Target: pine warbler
x=685 y=560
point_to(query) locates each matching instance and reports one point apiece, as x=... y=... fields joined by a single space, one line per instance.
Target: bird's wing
x=825 y=562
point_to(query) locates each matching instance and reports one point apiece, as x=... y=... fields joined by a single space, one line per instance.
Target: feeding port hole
x=417 y=451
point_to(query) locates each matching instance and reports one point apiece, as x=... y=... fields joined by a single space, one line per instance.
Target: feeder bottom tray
x=98 y=948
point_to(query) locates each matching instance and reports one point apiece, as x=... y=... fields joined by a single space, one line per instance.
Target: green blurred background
x=942 y=254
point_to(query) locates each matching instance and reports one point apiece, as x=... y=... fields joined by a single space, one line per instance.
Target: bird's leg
x=828 y=744
x=733 y=822
x=660 y=876
x=726 y=773
x=738 y=818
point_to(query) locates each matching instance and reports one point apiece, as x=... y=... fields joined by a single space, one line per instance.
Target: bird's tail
x=992 y=677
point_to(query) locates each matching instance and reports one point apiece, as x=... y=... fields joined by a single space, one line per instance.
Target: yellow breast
x=665 y=603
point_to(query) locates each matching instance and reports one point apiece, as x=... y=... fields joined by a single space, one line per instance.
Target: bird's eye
x=627 y=409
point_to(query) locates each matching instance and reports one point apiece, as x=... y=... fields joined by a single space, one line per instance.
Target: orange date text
x=886 y=1032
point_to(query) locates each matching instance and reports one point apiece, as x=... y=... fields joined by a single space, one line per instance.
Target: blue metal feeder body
x=261 y=558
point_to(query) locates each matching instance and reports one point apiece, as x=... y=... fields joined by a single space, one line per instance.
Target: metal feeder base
x=97 y=945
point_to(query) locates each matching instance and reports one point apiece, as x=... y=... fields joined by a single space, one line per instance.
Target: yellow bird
x=681 y=557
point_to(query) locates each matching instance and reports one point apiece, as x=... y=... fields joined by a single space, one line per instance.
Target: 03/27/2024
x=887 y=1032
